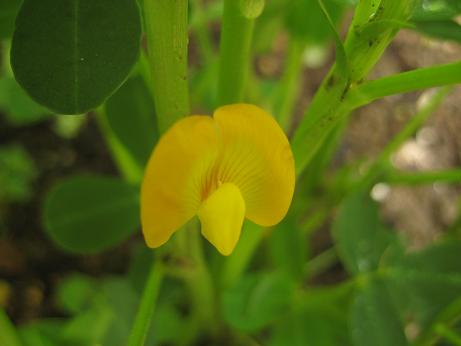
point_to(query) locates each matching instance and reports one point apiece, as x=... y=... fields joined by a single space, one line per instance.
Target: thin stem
x=234 y=53
x=167 y=37
x=289 y=83
x=147 y=305
x=417 y=178
x=418 y=79
x=321 y=262
x=126 y=164
x=413 y=125
x=202 y=33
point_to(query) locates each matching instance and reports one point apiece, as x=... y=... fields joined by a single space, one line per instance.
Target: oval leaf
x=90 y=214
x=70 y=55
x=131 y=115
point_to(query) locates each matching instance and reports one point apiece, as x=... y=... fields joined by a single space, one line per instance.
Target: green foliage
x=74 y=48
x=131 y=115
x=17 y=172
x=374 y=319
x=18 y=107
x=360 y=237
x=8 y=12
x=256 y=300
x=89 y=214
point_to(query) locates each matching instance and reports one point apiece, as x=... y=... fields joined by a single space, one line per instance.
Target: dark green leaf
x=131 y=115
x=19 y=108
x=90 y=214
x=256 y=300
x=374 y=320
x=70 y=55
x=8 y=12
x=442 y=29
x=425 y=282
x=360 y=237
x=42 y=333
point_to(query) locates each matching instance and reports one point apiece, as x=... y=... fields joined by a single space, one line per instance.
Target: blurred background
x=39 y=149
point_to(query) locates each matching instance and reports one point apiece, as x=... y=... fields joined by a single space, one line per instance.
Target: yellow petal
x=171 y=189
x=256 y=156
x=221 y=215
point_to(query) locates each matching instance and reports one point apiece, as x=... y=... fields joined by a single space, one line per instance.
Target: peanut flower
x=224 y=168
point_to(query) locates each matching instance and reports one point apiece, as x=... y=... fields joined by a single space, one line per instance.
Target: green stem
x=321 y=262
x=418 y=79
x=448 y=334
x=8 y=336
x=201 y=30
x=167 y=37
x=234 y=52
x=414 y=124
x=289 y=83
x=147 y=305
x=417 y=178
x=124 y=161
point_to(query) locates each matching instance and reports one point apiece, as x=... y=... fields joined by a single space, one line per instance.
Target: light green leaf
x=90 y=214
x=17 y=172
x=374 y=320
x=19 y=108
x=75 y=293
x=130 y=114
x=70 y=55
x=256 y=300
x=360 y=237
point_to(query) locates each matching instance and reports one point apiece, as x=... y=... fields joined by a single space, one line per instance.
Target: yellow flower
x=224 y=168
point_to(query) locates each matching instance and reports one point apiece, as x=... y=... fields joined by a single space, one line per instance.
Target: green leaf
x=374 y=320
x=256 y=300
x=19 y=108
x=8 y=334
x=90 y=214
x=305 y=19
x=70 y=55
x=310 y=327
x=425 y=282
x=17 y=172
x=75 y=293
x=442 y=29
x=360 y=237
x=436 y=10
x=130 y=113
x=8 y=12
x=289 y=248
x=44 y=332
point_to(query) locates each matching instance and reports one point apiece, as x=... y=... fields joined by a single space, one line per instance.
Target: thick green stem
x=147 y=305
x=234 y=51
x=418 y=178
x=365 y=43
x=167 y=38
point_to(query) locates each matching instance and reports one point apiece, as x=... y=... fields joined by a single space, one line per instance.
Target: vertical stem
x=234 y=53
x=289 y=83
x=146 y=308
x=167 y=38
